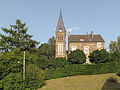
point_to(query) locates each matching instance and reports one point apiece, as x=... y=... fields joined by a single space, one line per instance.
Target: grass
x=81 y=82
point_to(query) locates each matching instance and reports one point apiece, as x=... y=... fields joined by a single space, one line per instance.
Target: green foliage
x=52 y=43
x=43 y=62
x=13 y=81
x=118 y=73
x=115 y=50
x=47 y=49
x=115 y=56
x=99 y=56
x=10 y=62
x=58 y=63
x=82 y=69
x=16 y=37
x=34 y=77
x=111 y=84
x=77 y=57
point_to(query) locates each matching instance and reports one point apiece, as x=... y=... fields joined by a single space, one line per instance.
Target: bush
x=10 y=62
x=34 y=77
x=57 y=63
x=115 y=56
x=85 y=69
x=77 y=57
x=99 y=56
x=13 y=81
x=111 y=84
x=43 y=62
x=118 y=73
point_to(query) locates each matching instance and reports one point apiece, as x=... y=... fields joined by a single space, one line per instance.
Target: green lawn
x=81 y=82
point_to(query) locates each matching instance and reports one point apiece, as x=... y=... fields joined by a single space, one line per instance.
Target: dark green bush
x=77 y=57
x=43 y=62
x=111 y=84
x=84 y=69
x=57 y=63
x=118 y=73
x=99 y=56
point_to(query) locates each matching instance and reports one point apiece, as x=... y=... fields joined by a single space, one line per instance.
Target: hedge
x=82 y=69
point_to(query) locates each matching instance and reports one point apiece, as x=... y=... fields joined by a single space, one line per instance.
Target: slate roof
x=86 y=38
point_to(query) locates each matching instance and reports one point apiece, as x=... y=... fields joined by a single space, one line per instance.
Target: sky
x=79 y=16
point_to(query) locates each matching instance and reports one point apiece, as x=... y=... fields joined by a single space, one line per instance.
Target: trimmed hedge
x=82 y=69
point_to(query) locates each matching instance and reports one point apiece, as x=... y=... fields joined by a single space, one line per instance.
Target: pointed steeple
x=60 y=24
x=60 y=21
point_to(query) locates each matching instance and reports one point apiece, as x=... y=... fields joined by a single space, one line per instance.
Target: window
x=86 y=49
x=62 y=49
x=99 y=44
x=58 y=49
x=74 y=48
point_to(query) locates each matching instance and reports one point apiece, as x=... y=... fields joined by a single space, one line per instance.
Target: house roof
x=86 y=38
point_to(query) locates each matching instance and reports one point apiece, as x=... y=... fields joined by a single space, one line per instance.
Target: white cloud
x=73 y=28
x=69 y=29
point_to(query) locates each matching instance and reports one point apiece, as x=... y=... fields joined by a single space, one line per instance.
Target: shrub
x=118 y=73
x=10 y=62
x=115 y=56
x=13 y=81
x=77 y=57
x=57 y=63
x=82 y=69
x=111 y=84
x=34 y=77
x=42 y=62
x=99 y=56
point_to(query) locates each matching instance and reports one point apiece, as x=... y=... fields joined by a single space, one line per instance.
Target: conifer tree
x=17 y=38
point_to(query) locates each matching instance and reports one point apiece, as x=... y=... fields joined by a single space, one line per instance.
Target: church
x=88 y=43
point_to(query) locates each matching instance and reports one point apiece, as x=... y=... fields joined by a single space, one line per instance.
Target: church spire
x=60 y=23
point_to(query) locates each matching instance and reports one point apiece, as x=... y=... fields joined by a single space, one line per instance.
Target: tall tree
x=17 y=37
x=115 y=45
x=47 y=49
x=51 y=43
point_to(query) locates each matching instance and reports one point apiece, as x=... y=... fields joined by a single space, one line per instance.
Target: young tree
x=17 y=37
x=77 y=57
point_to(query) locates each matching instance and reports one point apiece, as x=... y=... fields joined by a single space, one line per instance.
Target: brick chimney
x=68 y=34
x=91 y=33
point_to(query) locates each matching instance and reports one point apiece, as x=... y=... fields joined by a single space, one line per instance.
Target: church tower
x=60 y=38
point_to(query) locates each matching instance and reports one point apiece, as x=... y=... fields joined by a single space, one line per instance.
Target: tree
x=114 y=47
x=17 y=37
x=77 y=57
x=47 y=49
x=52 y=44
x=99 y=56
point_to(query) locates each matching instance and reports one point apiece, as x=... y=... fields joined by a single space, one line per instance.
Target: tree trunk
x=24 y=67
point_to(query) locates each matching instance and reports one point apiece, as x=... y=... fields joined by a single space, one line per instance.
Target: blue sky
x=80 y=16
